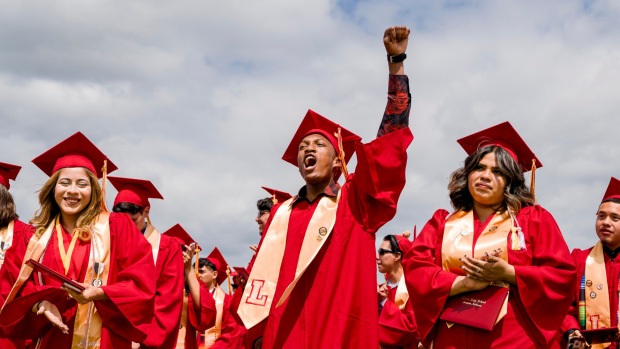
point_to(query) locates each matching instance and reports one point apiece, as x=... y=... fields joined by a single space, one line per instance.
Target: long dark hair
x=7 y=207
x=516 y=193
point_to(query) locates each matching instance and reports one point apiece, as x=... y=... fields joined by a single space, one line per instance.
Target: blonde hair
x=49 y=209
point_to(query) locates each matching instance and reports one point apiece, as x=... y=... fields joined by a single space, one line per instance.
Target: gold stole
x=212 y=334
x=597 y=307
x=458 y=239
x=402 y=295
x=6 y=235
x=153 y=237
x=87 y=319
x=182 y=324
x=261 y=286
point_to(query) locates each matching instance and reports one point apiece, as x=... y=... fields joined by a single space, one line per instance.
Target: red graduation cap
x=277 y=196
x=243 y=272
x=218 y=260
x=75 y=151
x=613 y=190
x=404 y=244
x=8 y=172
x=505 y=136
x=177 y=231
x=314 y=123
x=135 y=191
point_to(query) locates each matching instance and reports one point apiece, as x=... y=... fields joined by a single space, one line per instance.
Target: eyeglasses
x=262 y=212
x=383 y=251
x=130 y=211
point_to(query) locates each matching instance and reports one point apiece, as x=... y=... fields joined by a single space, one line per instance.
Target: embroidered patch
x=323 y=231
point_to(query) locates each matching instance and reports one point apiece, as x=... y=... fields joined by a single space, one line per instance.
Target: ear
x=215 y=274
x=147 y=210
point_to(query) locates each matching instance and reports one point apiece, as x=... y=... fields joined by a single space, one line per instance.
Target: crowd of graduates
x=494 y=272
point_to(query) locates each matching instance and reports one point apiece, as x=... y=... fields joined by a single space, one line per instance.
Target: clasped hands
x=488 y=268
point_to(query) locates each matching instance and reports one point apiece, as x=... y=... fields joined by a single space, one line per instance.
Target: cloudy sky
x=202 y=97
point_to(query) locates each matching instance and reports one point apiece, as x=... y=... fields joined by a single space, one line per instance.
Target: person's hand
x=465 y=284
x=395 y=40
x=576 y=341
x=135 y=345
x=489 y=268
x=89 y=294
x=53 y=315
x=382 y=291
x=188 y=255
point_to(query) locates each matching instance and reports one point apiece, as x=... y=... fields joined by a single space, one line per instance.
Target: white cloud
x=201 y=97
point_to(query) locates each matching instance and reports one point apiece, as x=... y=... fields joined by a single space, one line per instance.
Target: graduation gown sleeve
x=164 y=328
x=204 y=317
x=128 y=311
x=397 y=328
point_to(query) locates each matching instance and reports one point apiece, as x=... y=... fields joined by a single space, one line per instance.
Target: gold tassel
x=343 y=163
x=274 y=200
x=229 y=283
x=533 y=180
x=104 y=179
x=196 y=252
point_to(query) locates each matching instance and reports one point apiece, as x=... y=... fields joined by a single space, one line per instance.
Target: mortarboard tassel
x=104 y=179
x=533 y=180
x=197 y=252
x=345 y=172
x=274 y=199
x=229 y=283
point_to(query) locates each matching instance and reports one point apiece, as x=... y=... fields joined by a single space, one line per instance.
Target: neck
x=484 y=211
x=315 y=189
x=395 y=275
x=68 y=222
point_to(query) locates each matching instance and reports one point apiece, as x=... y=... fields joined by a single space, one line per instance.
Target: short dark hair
x=393 y=243
x=7 y=207
x=264 y=204
x=516 y=193
x=127 y=207
x=203 y=262
x=614 y=200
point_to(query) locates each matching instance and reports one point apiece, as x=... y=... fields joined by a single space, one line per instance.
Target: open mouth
x=309 y=161
x=71 y=201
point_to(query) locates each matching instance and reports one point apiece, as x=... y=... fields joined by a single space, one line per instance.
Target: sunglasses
x=383 y=251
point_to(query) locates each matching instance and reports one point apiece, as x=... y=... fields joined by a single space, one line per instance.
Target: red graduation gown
x=537 y=304
x=333 y=304
x=199 y=320
x=21 y=232
x=164 y=328
x=397 y=329
x=232 y=335
x=612 y=268
x=126 y=315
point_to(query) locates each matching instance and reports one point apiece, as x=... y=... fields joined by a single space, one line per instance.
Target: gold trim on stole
x=596 y=285
x=154 y=238
x=402 y=295
x=459 y=238
x=213 y=333
x=261 y=286
x=7 y=240
x=87 y=319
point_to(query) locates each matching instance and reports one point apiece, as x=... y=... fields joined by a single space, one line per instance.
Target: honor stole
x=212 y=334
x=6 y=235
x=87 y=326
x=182 y=324
x=596 y=311
x=459 y=241
x=402 y=295
x=153 y=237
x=263 y=280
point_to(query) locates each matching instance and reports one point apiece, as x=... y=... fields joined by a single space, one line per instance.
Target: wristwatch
x=397 y=59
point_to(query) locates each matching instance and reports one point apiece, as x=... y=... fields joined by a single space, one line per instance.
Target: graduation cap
x=613 y=190
x=8 y=172
x=75 y=151
x=243 y=272
x=218 y=260
x=277 y=196
x=313 y=123
x=177 y=232
x=505 y=136
x=135 y=191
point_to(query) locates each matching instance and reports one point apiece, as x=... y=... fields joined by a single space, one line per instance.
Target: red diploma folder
x=478 y=309
x=600 y=335
x=66 y=282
